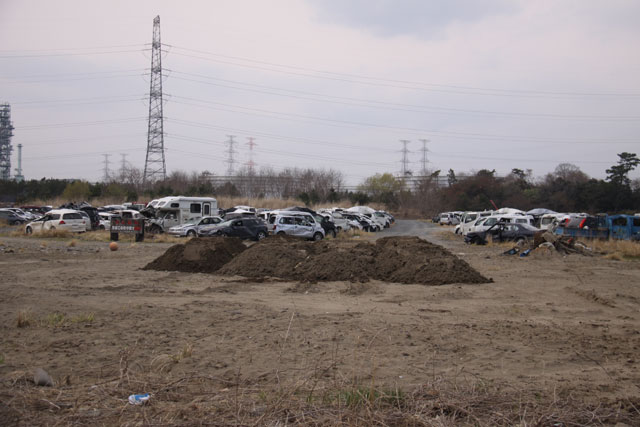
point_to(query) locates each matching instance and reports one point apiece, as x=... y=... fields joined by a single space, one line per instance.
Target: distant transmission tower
x=155 y=168
x=230 y=155
x=405 y=158
x=425 y=160
x=123 y=165
x=19 y=176
x=6 y=132
x=105 y=168
x=251 y=164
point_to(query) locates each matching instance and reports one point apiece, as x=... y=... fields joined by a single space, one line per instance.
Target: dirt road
x=563 y=328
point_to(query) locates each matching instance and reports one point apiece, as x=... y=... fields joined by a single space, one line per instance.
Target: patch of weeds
x=55 y=320
x=25 y=319
x=187 y=351
x=73 y=243
x=83 y=318
x=1 y=359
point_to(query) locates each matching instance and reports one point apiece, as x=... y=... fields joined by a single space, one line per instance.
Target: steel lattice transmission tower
x=231 y=152
x=155 y=168
x=425 y=159
x=6 y=132
x=251 y=164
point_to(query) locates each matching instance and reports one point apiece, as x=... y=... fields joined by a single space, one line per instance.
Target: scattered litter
x=548 y=241
x=139 y=399
x=42 y=378
x=525 y=253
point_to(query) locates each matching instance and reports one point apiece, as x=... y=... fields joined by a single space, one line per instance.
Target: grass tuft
x=55 y=320
x=25 y=319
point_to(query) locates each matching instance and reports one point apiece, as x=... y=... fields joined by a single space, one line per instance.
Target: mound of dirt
x=204 y=255
x=389 y=259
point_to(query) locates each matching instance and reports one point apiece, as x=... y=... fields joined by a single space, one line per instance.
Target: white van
x=547 y=221
x=178 y=210
x=469 y=219
x=58 y=219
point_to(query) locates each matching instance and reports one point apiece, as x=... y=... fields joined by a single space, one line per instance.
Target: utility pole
x=251 y=163
x=230 y=155
x=405 y=158
x=425 y=160
x=6 y=132
x=105 y=170
x=154 y=167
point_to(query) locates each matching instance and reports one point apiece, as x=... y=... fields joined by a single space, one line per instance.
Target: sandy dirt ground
x=229 y=350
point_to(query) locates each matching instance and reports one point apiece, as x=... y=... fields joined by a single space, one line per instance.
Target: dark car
x=93 y=216
x=328 y=226
x=244 y=228
x=502 y=232
x=10 y=217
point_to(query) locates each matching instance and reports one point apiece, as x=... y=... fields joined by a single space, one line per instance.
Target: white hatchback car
x=58 y=219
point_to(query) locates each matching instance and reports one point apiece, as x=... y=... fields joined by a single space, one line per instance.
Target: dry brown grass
x=197 y=397
x=46 y=234
x=25 y=319
x=622 y=250
x=448 y=234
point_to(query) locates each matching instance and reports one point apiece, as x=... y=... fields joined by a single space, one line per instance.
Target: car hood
x=181 y=227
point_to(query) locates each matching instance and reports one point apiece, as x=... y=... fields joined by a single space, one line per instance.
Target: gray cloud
x=423 y=19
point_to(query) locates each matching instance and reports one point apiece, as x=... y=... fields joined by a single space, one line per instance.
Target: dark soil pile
x=204 y=255
x=389 y=259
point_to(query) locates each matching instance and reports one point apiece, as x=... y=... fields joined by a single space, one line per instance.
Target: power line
x=368 y=103
x=350 y=123
x=44 y=55
x=403 y=84
x=74 y=124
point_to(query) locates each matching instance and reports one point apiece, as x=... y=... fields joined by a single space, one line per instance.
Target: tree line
x=566 y=189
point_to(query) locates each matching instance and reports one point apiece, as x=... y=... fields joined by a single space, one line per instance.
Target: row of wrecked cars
x=202 y=217
x=509 y=224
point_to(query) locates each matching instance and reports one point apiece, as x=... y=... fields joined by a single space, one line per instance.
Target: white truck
x=177 y=210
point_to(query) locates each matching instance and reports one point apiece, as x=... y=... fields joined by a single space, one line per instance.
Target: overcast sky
x=492 y=84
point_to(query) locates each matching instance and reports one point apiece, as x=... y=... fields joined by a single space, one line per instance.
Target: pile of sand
x=389 y=259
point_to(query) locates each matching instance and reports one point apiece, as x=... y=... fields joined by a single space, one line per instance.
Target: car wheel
x=102 y=227
x=261 y=235
x=191 y=233
x=332 y=233
x=28 y=230
x=281 y=233
x=155 y=229
x=318 y=236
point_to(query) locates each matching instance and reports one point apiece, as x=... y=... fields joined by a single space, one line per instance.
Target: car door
x=238 y=229
x=202 y=225
x=37 y=224
x=304 y=227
